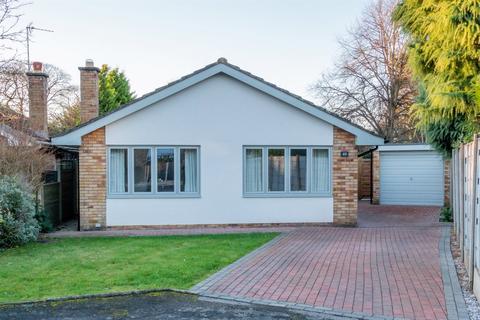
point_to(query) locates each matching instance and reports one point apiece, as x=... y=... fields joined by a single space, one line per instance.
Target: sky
x=289 y=43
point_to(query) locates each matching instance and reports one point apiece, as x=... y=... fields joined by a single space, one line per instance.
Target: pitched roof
x=73 y=136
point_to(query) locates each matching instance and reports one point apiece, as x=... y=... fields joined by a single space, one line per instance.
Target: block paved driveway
x=377 y=269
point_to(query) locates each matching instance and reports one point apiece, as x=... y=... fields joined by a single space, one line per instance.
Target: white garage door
x=411 y=178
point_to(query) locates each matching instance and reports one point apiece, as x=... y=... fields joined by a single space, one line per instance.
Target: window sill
x=153 y=196
x=288 y=195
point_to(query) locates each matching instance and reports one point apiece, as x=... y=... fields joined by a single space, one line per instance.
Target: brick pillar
x=88 y=91
x=376 y=177
x=93 y=180
x=37 y=96
x=446 y=187
x=345 y=178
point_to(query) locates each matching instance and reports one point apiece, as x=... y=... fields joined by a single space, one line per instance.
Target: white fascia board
x=74 y=138
x=406 y=147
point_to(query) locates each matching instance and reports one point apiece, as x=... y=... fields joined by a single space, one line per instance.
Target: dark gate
x=68 y=189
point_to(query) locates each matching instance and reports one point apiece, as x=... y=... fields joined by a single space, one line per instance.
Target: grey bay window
x=153 y=171
x=287 y=171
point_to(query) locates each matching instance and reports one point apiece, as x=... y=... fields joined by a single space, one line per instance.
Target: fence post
x=474 y=213
x=461 y=162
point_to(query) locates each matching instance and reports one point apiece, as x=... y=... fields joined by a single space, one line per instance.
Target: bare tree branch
x=10 y=32
x=371 y=83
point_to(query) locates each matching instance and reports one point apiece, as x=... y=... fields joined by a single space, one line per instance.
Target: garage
x=411 y=175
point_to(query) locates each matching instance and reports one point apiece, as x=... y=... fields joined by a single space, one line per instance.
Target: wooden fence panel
x=476 y=227
x=466 y=207
x=461 y=184
x=469 y=203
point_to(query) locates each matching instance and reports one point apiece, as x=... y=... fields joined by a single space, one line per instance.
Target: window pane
x=188 y=170
x=320 y=170
x=254 y=172
x=165 y=170
x=276 y=170
x=118 y=174
x=142 y=170
x=298 y=169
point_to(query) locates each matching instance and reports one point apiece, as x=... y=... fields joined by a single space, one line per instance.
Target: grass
x=76 y=266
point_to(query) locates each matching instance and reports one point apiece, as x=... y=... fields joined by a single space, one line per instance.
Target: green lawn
x=97 y=265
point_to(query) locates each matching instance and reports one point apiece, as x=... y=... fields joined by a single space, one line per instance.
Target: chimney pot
x=37 y=66
x=89 y=63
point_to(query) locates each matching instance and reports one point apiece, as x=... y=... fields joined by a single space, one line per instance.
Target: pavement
x=157 y=305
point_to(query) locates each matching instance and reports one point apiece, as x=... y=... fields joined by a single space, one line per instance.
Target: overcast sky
x=289 y=43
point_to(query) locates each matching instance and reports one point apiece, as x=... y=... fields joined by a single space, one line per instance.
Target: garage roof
x=406 y=147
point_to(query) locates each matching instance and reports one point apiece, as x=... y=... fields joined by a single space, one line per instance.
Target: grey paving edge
x=455 y=303
x=205 y=284
x=294 y=307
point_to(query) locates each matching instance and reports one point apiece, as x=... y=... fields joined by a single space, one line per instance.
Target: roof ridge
x=225 y=62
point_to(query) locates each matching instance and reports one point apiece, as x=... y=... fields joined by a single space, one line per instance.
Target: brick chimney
x=37 y=96
x=88 y=91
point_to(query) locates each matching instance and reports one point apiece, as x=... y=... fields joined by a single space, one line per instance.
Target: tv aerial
x=30 y=29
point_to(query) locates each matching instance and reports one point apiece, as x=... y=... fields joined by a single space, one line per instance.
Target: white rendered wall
x=220 y=115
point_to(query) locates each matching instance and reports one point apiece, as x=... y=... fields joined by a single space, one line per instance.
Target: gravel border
x=472 y=304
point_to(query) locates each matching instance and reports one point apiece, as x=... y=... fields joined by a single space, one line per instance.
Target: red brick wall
x=93 y=180
x=364 y=177
x=345 y=178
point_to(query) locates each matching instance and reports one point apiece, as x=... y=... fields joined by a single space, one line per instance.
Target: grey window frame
x=128 y=171
x=176 y=161
x=154 y=193
x=287 y=193
x=132 y=168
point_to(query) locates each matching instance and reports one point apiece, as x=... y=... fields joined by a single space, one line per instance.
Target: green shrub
x=44 y=221
x=17 y=214
x=446 y=214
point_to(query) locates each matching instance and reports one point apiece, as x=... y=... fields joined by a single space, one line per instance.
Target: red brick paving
x=396 y=216
x=380 y=271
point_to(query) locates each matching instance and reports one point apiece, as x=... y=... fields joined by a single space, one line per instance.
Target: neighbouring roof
x=73 y=137
x=14 y=127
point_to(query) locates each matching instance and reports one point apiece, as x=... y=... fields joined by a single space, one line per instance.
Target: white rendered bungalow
x=218 y=146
